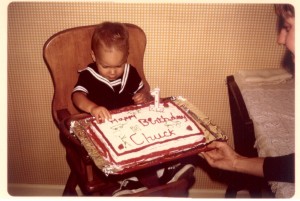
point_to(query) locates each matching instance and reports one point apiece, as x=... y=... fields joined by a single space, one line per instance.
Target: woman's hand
x=221 y=156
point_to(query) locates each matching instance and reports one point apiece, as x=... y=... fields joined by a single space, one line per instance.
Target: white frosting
x=144 y=134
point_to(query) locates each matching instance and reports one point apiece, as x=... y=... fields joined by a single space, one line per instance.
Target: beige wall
x=191 y=49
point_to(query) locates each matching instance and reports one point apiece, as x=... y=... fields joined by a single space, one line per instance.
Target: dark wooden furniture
x=64 y=54
x=244 y=139
x=242 y=125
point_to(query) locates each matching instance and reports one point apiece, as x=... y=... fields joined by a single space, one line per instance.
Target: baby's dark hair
x=110 y=34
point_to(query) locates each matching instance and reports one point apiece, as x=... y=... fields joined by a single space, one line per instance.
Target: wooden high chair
x=65 y=53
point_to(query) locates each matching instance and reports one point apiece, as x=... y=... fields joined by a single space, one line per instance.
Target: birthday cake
x=138 y=134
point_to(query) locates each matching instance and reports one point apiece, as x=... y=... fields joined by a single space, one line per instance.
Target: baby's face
x=111 y=63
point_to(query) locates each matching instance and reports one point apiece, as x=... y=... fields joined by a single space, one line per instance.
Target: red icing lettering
x=165 y=134
x=144 y=122
x=126 y=118
x=134 y=140
x=161 y=119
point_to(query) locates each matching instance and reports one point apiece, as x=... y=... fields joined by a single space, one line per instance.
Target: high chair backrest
x=70 y=50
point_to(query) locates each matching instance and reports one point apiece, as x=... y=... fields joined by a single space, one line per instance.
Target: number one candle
x=157 y=105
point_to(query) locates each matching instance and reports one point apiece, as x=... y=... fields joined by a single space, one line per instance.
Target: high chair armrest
x=67 y=138
x=62 y=114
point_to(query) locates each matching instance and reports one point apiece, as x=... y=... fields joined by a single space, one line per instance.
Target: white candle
x=157 y=106
x=156 y=95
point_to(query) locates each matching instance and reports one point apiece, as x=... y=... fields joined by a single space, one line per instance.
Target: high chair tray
x=134 y=153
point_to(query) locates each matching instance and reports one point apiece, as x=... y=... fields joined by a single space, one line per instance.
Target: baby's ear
x=93 y=56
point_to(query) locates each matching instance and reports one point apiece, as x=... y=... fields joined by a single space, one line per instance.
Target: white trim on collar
x=102 y=79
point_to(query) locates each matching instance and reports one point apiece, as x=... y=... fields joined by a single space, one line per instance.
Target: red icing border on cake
x=97 y=142
x=141 y=159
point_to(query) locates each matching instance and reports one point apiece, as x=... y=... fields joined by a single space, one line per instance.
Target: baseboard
x=36 y=190
x=214 y=193
x=206 y=193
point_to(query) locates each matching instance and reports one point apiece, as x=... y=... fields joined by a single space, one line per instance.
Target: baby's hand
x=139 y=98
x=100 y=113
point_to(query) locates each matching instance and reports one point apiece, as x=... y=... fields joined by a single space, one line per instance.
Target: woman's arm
x=279 y=168
x=222 y=156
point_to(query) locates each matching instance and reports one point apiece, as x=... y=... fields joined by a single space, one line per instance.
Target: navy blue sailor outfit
x=110 y=94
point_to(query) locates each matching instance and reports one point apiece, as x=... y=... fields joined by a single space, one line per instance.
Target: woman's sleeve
x=281 y=168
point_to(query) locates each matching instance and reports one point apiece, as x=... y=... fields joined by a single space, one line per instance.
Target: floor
x=56 y=190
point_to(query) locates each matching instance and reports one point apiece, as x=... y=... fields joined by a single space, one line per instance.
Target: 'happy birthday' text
x=161 y=119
